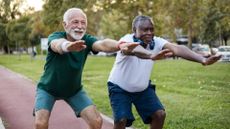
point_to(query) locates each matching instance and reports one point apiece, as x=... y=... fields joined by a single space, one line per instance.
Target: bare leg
x=42 y=119
x=158 y=119
x=92 y=117
x=120 y=124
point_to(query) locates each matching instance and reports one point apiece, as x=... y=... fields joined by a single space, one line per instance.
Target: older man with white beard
x=62 y=75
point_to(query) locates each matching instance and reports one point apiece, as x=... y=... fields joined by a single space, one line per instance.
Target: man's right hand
x=127 y=47
x=162 y=54
x=76 y=45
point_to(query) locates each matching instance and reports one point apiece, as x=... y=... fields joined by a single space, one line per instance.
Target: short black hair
x=139 y=18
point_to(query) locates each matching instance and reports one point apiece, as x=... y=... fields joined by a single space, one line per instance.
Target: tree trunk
x=190 y=25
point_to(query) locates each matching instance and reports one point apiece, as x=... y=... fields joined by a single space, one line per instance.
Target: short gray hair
x=68 y=13
x=139 y=18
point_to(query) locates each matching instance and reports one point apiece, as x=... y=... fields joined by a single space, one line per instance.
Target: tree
x=3 y=38
x=9 y=10
x=18 y=32
x=223 y=23
x=216 y=23
x=52 y=15
x=38 y=29
x=119 y=14
x=54 y=10
x=113 y=26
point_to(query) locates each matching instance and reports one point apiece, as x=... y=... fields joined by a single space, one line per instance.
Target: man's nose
x=79 y=25
x=149 y=32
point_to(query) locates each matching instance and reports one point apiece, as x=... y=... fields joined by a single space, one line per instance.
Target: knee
x=96 y=123
x=121 y=121
x=159 y=115
x=120 y=124
x=41 y=124
x=41 y=119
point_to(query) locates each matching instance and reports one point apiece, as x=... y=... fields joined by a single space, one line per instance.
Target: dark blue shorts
x=146 y=103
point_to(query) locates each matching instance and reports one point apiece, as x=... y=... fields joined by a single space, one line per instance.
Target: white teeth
x=78 y=30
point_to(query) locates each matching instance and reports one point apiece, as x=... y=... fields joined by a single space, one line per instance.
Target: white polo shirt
x=132 y=73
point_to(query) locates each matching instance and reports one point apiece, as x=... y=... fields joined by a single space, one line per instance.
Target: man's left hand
x=211 y=59
x=162 y=54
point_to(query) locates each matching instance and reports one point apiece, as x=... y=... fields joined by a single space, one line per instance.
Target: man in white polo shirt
x=129 y=81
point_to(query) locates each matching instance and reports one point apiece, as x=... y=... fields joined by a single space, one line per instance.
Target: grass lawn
x=195 y=97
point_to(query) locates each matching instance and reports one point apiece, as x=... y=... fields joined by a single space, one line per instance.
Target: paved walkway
x=17 y=100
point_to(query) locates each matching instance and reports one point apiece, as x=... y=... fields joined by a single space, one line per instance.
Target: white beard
x=74 y=35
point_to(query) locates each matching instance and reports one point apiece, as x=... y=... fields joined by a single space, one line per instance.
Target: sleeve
x=127 y=38
x=90 y=40
x=55 y=35
x=160 y=42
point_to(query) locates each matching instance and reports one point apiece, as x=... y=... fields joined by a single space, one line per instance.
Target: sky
x=37 y=4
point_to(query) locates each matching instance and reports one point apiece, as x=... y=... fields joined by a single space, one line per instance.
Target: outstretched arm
x=62 y=45
x=140 y=52
x=110 y=45
x=105 y=45
x=129 y=48
x=186 y=53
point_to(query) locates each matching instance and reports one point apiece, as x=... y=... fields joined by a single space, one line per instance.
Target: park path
x=16 y=104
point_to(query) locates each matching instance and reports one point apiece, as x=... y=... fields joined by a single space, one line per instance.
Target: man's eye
x=149 y=29
x=74 y=22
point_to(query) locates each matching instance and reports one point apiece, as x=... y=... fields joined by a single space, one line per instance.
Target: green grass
x=195 y=97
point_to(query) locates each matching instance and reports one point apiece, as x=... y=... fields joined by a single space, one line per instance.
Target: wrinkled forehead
x=77 y=15
x=74 y=14
x=145 y=23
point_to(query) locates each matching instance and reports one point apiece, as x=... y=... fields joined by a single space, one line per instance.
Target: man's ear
x=64 y=24
x=134 y=29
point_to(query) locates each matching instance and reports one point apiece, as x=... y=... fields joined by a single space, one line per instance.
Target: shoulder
x=89 y=38
x=56 y=35
x=127 y=38
x=159 y=40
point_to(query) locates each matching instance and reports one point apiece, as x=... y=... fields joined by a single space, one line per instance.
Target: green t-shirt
x=62 y=73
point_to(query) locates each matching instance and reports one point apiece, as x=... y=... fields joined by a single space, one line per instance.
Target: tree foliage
x=9 y=10
x=38 y=29
x=205 y=21
x=3 y=38
x=54 y=10
x=216 y=22
x=18 y=32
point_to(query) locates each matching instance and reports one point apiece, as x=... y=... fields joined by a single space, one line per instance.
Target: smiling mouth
x=148 y=36
x=78 y=31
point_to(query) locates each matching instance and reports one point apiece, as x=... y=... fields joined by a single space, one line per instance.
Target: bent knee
x=159 y=115
x=41 y=119
x=39 y=124
x=96 y=123
x=120 y=124
x=98 y=120
x=121 y=121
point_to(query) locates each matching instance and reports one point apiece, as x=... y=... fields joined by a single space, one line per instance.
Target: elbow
x=53 y=46
x=177 y=50
x=108 y=45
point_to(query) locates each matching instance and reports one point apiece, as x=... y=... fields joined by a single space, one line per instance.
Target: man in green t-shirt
x=62 y=75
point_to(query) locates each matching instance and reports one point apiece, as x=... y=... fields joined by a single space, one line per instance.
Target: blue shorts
x=146 y=103
x=78 y=102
